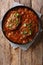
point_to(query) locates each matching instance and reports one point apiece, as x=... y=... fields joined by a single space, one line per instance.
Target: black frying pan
x=40 y=27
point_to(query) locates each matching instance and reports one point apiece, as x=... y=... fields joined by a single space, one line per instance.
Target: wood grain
x=11 y=56
x=4 y=50
x=26 y=57
x=16 y=0
x=37 y=50
x=36 y=4
x=26 y=2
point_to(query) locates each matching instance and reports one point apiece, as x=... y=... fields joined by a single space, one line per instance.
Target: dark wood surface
x=11 y=56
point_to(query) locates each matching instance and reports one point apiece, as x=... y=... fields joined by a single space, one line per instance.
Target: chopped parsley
x=16 y=14
x=24 y=32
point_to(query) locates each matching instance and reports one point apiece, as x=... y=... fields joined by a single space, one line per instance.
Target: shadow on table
x=38 y=40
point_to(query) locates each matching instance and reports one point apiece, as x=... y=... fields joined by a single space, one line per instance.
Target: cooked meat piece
x=13 y=21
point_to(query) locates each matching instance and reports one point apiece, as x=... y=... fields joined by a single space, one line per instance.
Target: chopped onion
x=24 y=24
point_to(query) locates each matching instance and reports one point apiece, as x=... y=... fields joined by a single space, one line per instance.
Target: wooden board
x=11 y=56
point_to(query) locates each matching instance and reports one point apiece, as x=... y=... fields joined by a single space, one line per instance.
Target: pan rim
x=22 y=6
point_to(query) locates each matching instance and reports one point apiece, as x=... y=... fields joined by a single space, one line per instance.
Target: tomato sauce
x=21 y=25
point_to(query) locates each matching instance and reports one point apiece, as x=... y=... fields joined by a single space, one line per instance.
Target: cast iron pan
x=40 y=28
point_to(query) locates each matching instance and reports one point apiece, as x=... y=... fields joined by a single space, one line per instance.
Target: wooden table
x=11 y=56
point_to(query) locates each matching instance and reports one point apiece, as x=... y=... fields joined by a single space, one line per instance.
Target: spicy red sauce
x=21 y=25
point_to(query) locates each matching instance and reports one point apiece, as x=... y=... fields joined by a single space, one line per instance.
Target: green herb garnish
x=24 y=32
x=16 y=22
x=10 y=26
x=30 y=32
x=30 y=24
x=16 y=14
